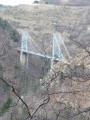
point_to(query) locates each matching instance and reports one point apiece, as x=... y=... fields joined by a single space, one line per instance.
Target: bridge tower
x=24 y=49
x=24 y=42
x=56 y=51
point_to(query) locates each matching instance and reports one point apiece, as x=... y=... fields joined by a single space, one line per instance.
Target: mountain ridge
x=67 y=2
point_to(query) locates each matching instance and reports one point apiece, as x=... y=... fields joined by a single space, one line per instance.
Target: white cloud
x=15 y=2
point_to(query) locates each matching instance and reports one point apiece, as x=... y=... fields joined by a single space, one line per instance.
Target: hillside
x=51 y=90
x=42 y=21
x=11 y=70
x=67 y=2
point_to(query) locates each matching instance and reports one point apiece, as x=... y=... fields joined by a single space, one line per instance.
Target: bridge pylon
x=24 y=49
x=56 y=51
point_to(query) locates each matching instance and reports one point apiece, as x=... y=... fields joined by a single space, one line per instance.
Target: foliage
x=82 y=65
x=25 y=112
x=67 y=112
x=5 y=106
x=24 y=89
x=61 y=75
x=4 y=24
x=17 y=67
x=13 y=33
x=6 y=87
x=35 y=86
x=82 y=117
x=1 y=68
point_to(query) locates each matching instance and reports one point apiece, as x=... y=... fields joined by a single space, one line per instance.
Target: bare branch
x=13 y=90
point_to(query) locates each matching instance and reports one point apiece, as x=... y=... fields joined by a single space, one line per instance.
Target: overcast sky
x=15 y=2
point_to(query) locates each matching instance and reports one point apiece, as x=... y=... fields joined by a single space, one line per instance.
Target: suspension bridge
x=28 y=46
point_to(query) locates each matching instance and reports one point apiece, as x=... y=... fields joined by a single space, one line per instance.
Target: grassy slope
x=43 y=16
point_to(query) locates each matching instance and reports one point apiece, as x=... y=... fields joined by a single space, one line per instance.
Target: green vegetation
x=24 y=89
x=35 y=86
x=25 y=111
x=13 y=33
x=4 y=24
x=5 y=106
x=6 y=87
x=1 y=68
x=82 y=66
x=61 y=75
x=82 y=117
x=17 y=67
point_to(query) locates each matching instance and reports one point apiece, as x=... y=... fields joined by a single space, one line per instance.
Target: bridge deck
x=41 y=55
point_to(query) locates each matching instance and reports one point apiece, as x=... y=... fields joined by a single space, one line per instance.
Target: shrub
x=4 y=24
x=5 y=106
x=24 y=89
x=35 y=86
x=25 y=111
x=1 y=68
x=82 y=65
x=61 y=77
x=6 y=87
x=14 y=34
x=17 y=67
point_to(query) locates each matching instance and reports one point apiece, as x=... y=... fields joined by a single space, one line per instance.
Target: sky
x=15 y=2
